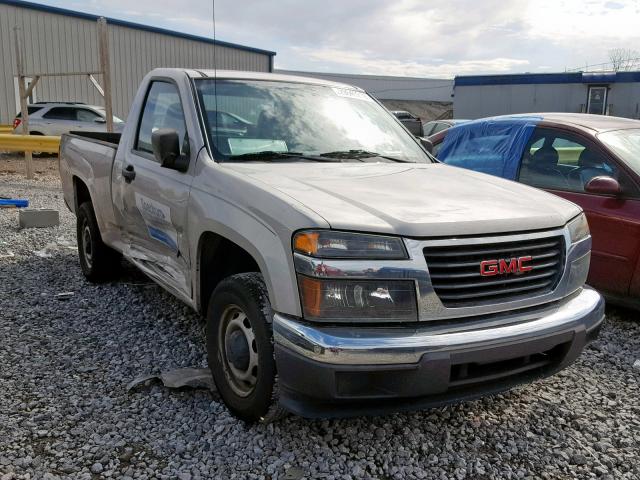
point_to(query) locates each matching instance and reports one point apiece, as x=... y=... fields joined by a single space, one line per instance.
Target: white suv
x=56 y=118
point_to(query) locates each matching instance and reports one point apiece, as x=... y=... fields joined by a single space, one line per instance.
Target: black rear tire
x=97 y=261
x=240 y=348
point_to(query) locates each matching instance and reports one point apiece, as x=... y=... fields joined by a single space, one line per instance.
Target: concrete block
x=34 y=217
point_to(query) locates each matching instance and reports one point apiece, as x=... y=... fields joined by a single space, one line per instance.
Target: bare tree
x=623 y=59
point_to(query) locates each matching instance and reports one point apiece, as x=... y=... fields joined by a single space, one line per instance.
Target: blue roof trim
x=137 y=26
x=599 y=77
x=628 y=77
x=546 y=78
x=517 y=79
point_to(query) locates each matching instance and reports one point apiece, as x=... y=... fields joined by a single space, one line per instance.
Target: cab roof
x=274 y=77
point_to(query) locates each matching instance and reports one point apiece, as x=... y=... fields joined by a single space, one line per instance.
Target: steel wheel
x=97 y=261
x=87 y=249
x=240 y=348
x=239 y=351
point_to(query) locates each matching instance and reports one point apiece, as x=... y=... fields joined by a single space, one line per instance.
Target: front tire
x=240 y=348
x=97 y=261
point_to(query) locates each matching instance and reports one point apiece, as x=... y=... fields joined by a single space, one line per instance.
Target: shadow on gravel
x=621 y=313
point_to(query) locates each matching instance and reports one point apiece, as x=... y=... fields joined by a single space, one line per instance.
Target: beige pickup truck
x=341 y=269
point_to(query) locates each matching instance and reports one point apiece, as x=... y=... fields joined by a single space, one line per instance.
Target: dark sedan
x=591 y=160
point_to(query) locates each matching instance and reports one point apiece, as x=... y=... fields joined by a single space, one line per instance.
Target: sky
x=418 y=38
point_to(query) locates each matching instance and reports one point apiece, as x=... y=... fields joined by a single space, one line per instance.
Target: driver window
x=560 y=161
x=162 y=109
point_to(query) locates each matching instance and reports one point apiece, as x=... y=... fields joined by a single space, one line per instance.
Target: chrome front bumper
x=353 y=345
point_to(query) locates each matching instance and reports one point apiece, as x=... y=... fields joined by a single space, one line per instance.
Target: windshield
x=252 y=119
x=625 y=144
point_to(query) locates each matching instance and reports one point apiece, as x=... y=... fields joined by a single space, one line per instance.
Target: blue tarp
x=492 y=145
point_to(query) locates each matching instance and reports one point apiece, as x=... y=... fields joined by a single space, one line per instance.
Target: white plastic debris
x=66 y=243
x=49 y=249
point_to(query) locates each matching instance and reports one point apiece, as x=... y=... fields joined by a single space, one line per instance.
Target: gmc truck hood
x=412 y=200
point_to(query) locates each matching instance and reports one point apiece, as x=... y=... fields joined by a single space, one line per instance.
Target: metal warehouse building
x=427 y=98
x=57 y=40
x=602 y=93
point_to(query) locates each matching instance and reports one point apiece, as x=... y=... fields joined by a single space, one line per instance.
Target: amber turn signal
x=306 y=242
x=347 y=245
x=311 y=293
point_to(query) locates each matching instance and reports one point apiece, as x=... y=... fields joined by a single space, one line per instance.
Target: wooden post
x=34 y=82
x=23 y=102
x=105 y=67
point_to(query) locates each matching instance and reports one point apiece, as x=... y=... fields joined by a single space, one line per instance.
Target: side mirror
x=100 y=120
x=166 y=148
x=426 y=143
x=603 y=186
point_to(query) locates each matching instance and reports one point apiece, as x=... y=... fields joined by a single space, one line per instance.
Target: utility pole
x=23 y=101
x=105 y=66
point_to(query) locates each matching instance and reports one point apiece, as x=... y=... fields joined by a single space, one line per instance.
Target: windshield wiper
x=359 y=154
x=273 y=155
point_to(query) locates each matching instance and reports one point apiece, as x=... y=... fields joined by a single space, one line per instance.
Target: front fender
x=255 y=217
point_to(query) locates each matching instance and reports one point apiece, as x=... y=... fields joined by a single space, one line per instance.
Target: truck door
x=154 y=198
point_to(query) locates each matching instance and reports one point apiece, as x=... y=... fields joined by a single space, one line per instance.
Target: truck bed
x=113 y=138
x=88 y=157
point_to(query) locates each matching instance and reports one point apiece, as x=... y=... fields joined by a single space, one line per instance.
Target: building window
x=597 y=101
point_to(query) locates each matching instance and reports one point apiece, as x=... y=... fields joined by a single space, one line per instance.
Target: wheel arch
x=81 y=193
x=218 y=257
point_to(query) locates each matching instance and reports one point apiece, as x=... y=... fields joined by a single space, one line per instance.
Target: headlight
x=388 y=300
x=341 y=299
x=332 y=244
x=578 y=228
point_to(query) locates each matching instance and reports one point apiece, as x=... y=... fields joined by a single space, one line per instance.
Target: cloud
x=361 y=63
x=402 y=37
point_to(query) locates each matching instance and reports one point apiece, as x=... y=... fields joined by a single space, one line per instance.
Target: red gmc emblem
x=489 y=268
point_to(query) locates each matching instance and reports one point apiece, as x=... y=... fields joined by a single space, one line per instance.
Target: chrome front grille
x=455 y=270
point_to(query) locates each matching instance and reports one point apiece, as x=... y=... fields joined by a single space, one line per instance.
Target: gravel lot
x=65 y=411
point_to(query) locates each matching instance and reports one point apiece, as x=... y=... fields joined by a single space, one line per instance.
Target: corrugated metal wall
x=477 y=101
x=56 y=43
x=488 y=100
x=624 y=100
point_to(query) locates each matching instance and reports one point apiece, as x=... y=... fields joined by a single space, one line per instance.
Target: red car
x=591 y=160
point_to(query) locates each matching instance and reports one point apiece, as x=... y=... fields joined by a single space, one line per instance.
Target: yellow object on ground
x=29 y=143
x=6 y=129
